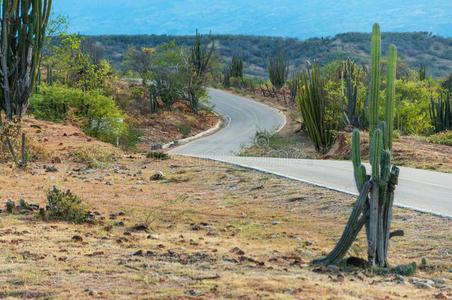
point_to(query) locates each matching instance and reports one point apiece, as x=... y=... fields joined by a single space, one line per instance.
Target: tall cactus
x=23 y=27
x=374 y=205
x=278 y=70
x=441 y=112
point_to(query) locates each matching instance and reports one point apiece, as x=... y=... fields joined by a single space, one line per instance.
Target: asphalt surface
x=418 y=189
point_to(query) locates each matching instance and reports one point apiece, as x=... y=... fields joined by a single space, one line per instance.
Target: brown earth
x=213 y=231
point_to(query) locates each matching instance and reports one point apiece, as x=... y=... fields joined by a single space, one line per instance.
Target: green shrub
x=184 y=129
x=65 y=206
x=100 y=115
x=412 y=108
x=95 y=156
x=158 y=155
x=442 y=138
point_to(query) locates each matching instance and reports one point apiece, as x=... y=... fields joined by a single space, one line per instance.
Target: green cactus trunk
x=374 y=205
x=23 y=27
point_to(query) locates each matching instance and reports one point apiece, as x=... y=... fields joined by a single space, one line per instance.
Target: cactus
x=293 y=86
x=441 y=113
x=349 y=93
x=313 y=103
x=23 y=26
x=374 y=205
x=49 y=75
x=278 y=71
x=422 y=72
x=234 y=69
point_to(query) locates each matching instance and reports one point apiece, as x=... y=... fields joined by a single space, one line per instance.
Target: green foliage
x=158 y=155
x=94 y=156
x=65 y=206
x=442 y=138
x=184 y=129
x=195 y=69
x=278 y=70
x=100 y=115
x=412 y=107
x=233 y=70
x=316 y=108
x=441 y=113
x=422 y=73
x=68 y=64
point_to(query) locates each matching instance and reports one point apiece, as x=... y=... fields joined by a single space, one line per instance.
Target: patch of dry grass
x=194 y=225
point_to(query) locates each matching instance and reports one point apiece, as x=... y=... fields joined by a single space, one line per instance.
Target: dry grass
x=195 y=219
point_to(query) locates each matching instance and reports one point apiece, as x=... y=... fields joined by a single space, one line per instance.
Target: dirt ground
x=213 y=231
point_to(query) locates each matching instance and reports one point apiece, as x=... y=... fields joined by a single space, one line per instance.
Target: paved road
x=419 y=189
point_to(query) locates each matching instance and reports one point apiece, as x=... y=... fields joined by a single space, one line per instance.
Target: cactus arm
x=375 y=154
x=358 y=168
x=390 y=95
x=375 y=79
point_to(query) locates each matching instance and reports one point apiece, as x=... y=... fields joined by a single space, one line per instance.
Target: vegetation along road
x=419 y=189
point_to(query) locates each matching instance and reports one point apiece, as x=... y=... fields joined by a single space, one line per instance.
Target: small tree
x=197 y=62
x=23 y=29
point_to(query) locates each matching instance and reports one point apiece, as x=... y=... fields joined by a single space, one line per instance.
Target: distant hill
x=415 y=48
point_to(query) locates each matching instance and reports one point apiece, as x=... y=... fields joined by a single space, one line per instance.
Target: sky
x=288 y=18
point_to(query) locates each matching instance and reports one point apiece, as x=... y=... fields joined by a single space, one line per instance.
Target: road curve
x=418 y=189
x=242 y=117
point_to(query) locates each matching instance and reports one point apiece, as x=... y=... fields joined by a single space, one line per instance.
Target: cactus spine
x=374 y=205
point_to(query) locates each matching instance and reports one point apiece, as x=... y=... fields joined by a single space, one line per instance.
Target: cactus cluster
x=233 y=70
x=278 y=70
x=374 y=205
x=441 y=113
x=349 y=93
x=23 y=27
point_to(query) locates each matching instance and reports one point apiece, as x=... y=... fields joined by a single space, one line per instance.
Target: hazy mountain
x=290 y=18
x=416 y=48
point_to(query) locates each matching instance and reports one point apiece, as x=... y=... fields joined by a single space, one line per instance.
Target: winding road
x=418 y=189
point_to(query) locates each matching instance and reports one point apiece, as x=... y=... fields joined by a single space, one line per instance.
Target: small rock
x=308 y=243
x=51 y=169
x=399 y=279
x=229 y=259
x=308 y=253
x=297 y=239
x=422 y=285
x=275 y=223
x=440 y=296
x=108 y=183
x=157 y=176
x=237 y=251
x=333 y=268
x=153 y=237
x=194 y=293
x=440 y=281
x=119 y=223
x=138 y=253
x=77 y=238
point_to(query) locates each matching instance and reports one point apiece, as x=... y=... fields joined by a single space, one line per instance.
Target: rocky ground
x=206 y=230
